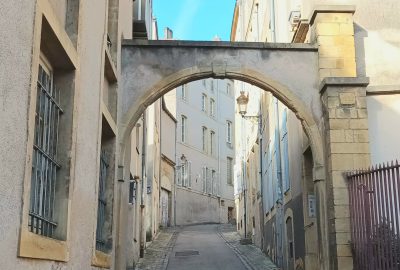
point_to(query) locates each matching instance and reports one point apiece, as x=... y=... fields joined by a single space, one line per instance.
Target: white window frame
x=204 y=102
x=229 y=89
x=183 y=128
x=229 y=131
x=212 y=142
x=204 y=139
x=212 y=107
x=184 y=92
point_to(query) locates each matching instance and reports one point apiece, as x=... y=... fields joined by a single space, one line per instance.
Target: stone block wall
x=347 y=148
x=333 y=31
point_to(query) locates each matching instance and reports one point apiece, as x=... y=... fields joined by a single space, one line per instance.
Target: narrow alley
x=198 y=247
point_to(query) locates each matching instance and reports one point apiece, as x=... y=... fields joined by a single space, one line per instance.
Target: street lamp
x=183 y=162
x=178 y=167
x=242 y=102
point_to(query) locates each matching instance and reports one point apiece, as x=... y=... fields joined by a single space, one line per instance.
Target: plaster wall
x=15 y=88
x=383 y=113
x=16 y=98
x=194 y=207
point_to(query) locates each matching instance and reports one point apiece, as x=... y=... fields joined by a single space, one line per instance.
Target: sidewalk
x=253 y=257
x=157 y=253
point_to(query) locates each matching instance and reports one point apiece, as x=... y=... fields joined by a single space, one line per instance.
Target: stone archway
x=289 y=71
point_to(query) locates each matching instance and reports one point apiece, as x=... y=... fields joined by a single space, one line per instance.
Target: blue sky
x=194 y=19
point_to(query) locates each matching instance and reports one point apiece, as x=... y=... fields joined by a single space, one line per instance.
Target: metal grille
x=44 y=160
x=102 y=203
x=375 y=217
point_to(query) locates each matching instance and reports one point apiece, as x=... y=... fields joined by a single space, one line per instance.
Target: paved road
x=201 y=247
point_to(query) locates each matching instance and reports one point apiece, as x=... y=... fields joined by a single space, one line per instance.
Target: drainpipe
x=219 y=149
x=160 y=163
x=142 y=199
x=175 y=175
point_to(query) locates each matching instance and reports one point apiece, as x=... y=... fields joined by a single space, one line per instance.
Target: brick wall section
x=347 y=148
x=334 y=33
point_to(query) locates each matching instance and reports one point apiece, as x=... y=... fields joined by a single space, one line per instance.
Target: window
x=186 y=174
x=212 y=142
x=183 y=175
x=229 y=132
x=183 y=128
x=102 y=202
x=132 y=190
x=45 y=165
x=183 y=92
x=229 y=172
x=204 y=139
x=204 y=83
x=209 y=184
x=212 y=85
x=204 y=103
x=212 y=107
x=214 y=181
x=229 y=89
x=204 y=178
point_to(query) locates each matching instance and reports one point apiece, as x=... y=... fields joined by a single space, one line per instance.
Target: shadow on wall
x=359 y=41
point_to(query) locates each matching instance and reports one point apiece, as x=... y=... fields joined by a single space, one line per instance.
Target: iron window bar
x=102 y=203
x=44 y=161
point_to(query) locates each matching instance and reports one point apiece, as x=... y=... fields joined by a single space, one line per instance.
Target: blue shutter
x=285 y=153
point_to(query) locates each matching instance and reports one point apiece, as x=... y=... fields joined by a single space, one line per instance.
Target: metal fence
x=374 y=215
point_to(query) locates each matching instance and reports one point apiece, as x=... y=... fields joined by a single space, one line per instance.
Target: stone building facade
x=204 y=184
x=281 y=208
x=61 y=184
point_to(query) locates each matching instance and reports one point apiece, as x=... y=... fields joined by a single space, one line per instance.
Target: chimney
x=168 y=34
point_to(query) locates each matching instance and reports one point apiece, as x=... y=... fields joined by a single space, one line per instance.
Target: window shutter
x=189 y=173
x=203 y=176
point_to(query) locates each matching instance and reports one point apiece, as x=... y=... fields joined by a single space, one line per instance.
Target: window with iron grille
x=44 y=161
x=132 y=190
x=102 y=203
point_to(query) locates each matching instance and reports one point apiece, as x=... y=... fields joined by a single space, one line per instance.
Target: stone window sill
x=101 y=259
x=38 y=247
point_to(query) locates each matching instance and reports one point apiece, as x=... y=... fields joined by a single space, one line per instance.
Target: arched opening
x=307 y=118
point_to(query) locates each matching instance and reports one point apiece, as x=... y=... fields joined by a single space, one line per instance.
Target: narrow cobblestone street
x=202 y=247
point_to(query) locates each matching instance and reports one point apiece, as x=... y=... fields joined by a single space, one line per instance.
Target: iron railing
x=102 y=204
x=374 y=215
x=44 y=160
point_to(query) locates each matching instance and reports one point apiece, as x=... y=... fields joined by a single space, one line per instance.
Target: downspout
x=160 y=164
x=260 y=127
x=219 y=149
x=175 y=175
x=142 y=199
